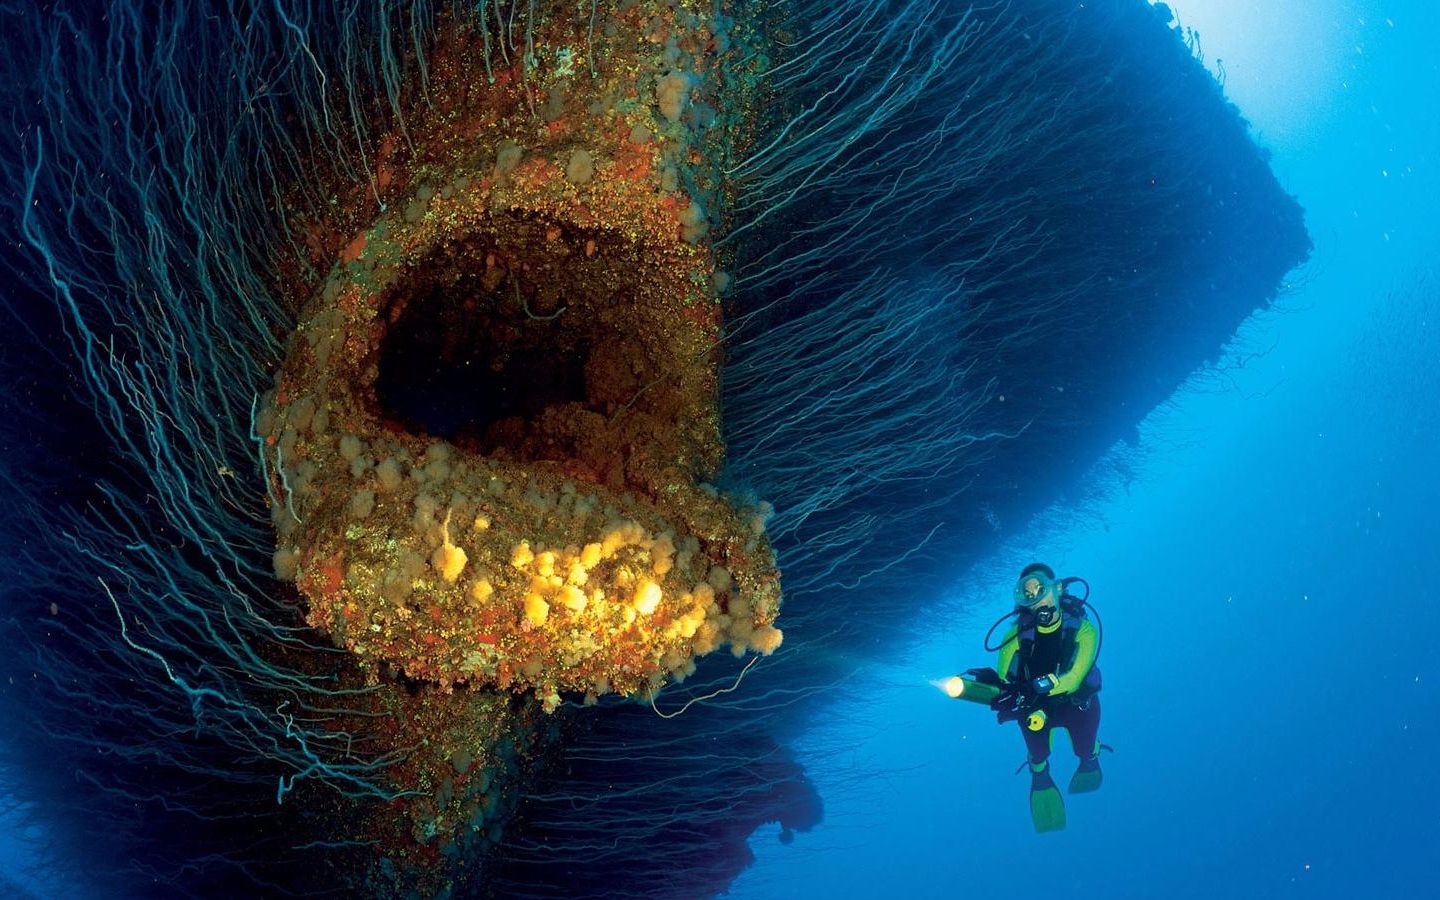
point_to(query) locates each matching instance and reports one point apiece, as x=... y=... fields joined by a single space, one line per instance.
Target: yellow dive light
x=961 y=687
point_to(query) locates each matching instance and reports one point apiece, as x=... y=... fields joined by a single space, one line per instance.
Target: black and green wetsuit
x=1068 y=652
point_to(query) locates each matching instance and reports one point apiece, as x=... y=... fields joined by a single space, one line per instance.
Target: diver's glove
x=1010 y=714
x=1014 y=702
x=985 y=676
x=1013 y=694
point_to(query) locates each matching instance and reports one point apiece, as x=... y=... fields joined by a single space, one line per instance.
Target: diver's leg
x=1084 y=727
x=1047 y=807
x=1083 y=723
x=1037 y=746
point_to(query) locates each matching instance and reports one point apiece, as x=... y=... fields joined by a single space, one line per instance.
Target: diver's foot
x=1047 y=806
x=1087 y=777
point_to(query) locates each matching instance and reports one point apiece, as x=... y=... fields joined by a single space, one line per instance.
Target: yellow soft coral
x=449 y=560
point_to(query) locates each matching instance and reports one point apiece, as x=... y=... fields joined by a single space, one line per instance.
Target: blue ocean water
x=1264 y=564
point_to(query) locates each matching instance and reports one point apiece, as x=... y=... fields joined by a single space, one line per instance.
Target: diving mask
x=1031 y=589
x=1031 y=592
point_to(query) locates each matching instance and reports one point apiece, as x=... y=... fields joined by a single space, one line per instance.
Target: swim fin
x=1087 y=777
x=1047 y=806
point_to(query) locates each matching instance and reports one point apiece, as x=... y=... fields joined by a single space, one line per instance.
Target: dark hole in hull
x=462 y=356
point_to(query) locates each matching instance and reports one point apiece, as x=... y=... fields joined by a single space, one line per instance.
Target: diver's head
x=1036 y=592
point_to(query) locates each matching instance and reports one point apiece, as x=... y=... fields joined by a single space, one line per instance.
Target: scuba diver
x=1046 y=677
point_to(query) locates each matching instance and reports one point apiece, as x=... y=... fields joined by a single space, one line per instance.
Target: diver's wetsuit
x=1068 y=653
x=1083 y=723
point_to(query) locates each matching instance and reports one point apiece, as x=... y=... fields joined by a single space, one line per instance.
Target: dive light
x=963 y=687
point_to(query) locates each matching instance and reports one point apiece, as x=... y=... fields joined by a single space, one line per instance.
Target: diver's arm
x=1069 y=681
x=1008 y=648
